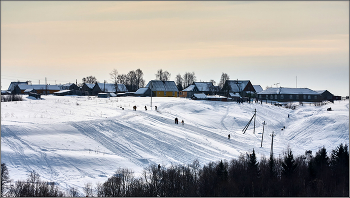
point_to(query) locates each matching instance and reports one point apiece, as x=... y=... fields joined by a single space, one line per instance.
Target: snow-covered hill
x=74 y=140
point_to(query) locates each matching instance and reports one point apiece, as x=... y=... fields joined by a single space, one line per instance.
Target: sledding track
x=75 y=144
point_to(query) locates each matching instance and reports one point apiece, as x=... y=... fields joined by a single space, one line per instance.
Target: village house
x=108 y=88
x=39 y=89
x=163 y=88
x=326 y=95
x=142 y=92
x=188 y=92
x=87 y=88
x=13 y=84
x=242 y=87
x=284 y=94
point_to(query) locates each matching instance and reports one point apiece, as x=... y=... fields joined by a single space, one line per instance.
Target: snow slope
x=74 y=140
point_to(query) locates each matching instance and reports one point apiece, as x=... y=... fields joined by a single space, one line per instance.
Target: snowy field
x=74 y=140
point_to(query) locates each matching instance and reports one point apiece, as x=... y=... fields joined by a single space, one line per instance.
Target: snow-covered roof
x=113 y=94
x=237 y=85
x=235 y=95
x=200 y=96
x=258 y=88
x=28 y=90
x=62 y=91
x=141 y=90
x=284 y=90
x=189 y=88
x=320 y=91
x=110 y=87
x=90 y=85
x=38 y=87
x=158 y=85
x=216 y=96
x=13 y=84
x=204 y=86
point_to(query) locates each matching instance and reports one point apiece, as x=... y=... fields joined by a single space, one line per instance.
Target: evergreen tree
x=288 y=165
x=4 y=178
x=253 y=165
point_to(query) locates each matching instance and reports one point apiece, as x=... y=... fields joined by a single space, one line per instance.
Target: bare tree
x=139 y=78
x=179 y=81
x=162 y=75
x=114 y=76
x=188 y=79
x=223 y=79
x=213 y=81
x=131 y=80
x=90 y=79
x=122 y=79
x=88 y=190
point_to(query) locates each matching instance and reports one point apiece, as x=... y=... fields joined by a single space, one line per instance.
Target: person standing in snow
x=288 y=115
x=182 y=122
x=228 y=136
x=176 y=121
x=145 y=108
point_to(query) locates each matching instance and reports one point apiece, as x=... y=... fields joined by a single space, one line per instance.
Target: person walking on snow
x=228 y=136
x=182 y=122
x=176 y=121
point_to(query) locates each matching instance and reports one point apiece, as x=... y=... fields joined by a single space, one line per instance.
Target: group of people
x=177 y=121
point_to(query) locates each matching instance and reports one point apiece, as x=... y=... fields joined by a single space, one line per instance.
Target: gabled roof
x=158 y=85
x=38 y=87
x=258 y=88
x=284 y=90
x=90 y=85
x=141 y=90
x=110 y=87
x=13 y=84
x=190 y=88
x=203 y=86
x=237 y=85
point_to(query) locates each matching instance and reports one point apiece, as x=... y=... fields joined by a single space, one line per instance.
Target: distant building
x=284 y=94
x=40 y=89
x=243 y=87
x=108 y=88
x=87 y=88
x=188 y=92
x=326 y=95
x=68 y=86
x=258 y=88
x=142 y=92
x=163 y=88
x=13 y=84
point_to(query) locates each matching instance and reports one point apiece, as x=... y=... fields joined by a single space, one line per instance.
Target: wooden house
x=87 y=89
x=163 y=88
x=205 y=87
x=40 y=89
x=326 y=95
x=243 y=87
x=188 y=92
x=108 y=88
x=284 y=94
x=13 y=84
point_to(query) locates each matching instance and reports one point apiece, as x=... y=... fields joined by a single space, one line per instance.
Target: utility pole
x=262 y=136
x=296 y=81
x=246 y=126
x=254 y=119
x=104 y=86
x=272 y=135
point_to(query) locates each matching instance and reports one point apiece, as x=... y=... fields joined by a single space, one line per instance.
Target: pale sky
x=266 y=42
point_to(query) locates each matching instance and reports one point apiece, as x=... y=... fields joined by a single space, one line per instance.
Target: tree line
x=305 y=175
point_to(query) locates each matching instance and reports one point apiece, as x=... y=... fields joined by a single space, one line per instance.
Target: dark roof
x=158 y=85
x=284 y=90
x=237 y=85
x=203 y=86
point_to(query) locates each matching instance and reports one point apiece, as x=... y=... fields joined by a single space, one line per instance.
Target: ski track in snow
x=74 y=144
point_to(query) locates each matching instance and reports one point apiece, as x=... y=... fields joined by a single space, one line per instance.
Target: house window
x=173 y=93
x=297 y=97
x=276 y=96
x=164 y=93
x=260 y=96
x=271 y=96
x=309 y=97
x=315 y=97
x=282 y=96
x=267 y=96
x=304 y=96
x=290 y=96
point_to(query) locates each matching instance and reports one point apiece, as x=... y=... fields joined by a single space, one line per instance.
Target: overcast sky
x=264 y=42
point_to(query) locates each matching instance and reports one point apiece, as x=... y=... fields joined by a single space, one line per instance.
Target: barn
x=108 y=88
x=142 y=92
x=87 y=88
x=188 y=92
x=163 y=88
